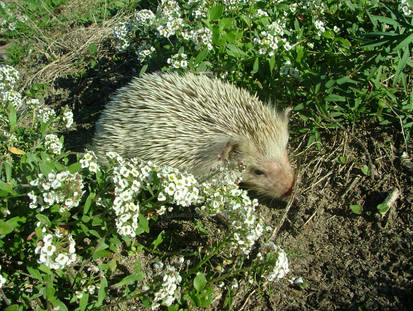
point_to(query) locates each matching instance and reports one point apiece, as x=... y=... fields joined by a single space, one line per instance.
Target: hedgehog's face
x=272 y=178
x=270 y=175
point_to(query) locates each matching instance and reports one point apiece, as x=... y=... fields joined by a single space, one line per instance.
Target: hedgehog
x=194 y=122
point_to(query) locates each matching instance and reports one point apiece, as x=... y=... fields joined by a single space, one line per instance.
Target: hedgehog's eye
x=258 y=172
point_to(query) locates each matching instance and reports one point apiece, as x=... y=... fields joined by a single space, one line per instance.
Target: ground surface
x=347 y=261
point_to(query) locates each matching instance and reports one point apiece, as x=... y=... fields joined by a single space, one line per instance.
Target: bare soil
x=347 y=261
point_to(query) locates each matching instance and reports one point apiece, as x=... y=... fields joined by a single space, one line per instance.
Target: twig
x=246 y=300
x=7 y=302
x=284 y=217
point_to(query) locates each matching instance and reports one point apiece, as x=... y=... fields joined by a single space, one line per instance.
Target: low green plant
x=309 y=56
x=80 y=236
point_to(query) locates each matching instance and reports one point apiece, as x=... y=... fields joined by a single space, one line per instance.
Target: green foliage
x=356 y=209
x=340 y=62
x=335 y=63
x=69 y=226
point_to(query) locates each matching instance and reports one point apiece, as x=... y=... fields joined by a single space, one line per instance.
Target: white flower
x=48 y=249
x=62 y=259
x=161 y=197
x=2 y=281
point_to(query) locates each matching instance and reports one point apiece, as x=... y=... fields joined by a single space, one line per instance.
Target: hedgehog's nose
x=290 y=189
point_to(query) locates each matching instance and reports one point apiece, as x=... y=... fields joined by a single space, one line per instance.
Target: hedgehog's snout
x=284 y=182
x=290 y=190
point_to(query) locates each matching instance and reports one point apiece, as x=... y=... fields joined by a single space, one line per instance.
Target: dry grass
x=61 y=51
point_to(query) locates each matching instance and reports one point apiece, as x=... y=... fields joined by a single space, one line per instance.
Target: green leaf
x=59 y=305
x=88 y=202
x=130 y=279
x=5 y=228
x=173 y=307
x=158 y=240
x=300 y=53
x=92 y=48
x=215 y=12
x=201 y=56
x=143 y=225
x=402 y=63
x=44 y=220
x=405 y=43
x=330 y=83
x=256 y=66
x=235 y=51
x=35 y=273
x=8 y=226
x=12 y=117
x=102 y=291
x=225 y=23
x=102 y=254
x=386 y=20
x=383 y=208
x=83 y=302
x=356 y=209
x=143 y=70
x=45 y=269
x=12 y=308
x=345 y=80
x=365 y=170
x=6 y=189
x=200 y=282
x=45 y=167
x=73 y=168
x=334 y=98
x=271 y=63
x=50 y=291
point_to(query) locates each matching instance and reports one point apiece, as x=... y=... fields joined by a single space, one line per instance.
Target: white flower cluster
x=406 y=7
x=223 y=196
x=122 y=33
x=67 y=117
x=261 y=13
x=202 y=37
x=46 y=114
x=287 y=69
x=8 y=77
x=234 y=4
x=319 y=25
x=56 y=251
x=144 y=52
x=220 y=195
x=89 y=161
x=269 y=41
x=129 y=176
x=171 y=27
x=53 y=144
x=144 y=18
x=33 y=103
x=178 y=61
x=169 y=291
x=63 y=188
x=201 y=10
x=169 y=9
x=178 y=188
x=281 y=266
x=87 y=277
x=2 y=280
x=13 y=97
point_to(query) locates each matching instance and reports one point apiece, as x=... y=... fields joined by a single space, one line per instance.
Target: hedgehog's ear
x=229 y=150
x=232 y=148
